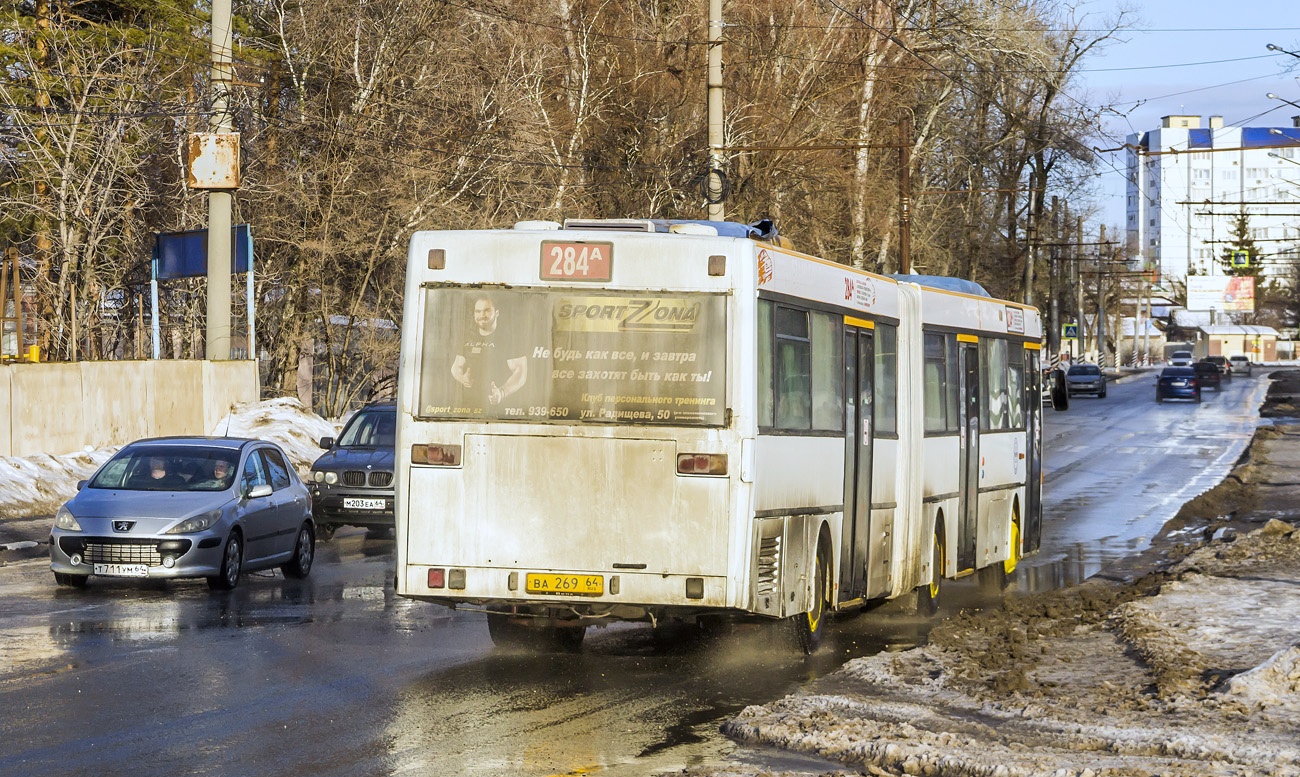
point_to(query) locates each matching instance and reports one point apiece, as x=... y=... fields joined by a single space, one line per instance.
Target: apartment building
x=1187 y=183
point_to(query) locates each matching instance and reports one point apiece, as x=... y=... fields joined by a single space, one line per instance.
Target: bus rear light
x=439 y=455
x=437 y=578
x=437 y=258
x=701 y=463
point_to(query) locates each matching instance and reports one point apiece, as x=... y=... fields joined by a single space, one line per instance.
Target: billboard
x=1220 y=292
x=574 y=356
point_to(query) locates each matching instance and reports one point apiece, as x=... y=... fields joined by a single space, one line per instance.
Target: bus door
x=1031 y=527
x=969 y=454
x=859 y=361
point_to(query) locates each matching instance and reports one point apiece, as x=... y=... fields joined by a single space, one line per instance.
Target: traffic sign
x=1240 y=258
x=1070 y=331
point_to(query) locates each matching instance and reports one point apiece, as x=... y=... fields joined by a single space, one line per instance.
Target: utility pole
x=219 y=201
x=714 y=184
x=1078 y=287
x=1101 y=300
x=905 y=194
x=1053 y=302
x=1031 y=251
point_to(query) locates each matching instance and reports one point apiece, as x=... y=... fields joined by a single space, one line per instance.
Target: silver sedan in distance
x=178 y=507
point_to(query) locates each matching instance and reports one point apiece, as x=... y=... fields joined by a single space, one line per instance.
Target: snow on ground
x=37 y=485
x=1186 y=664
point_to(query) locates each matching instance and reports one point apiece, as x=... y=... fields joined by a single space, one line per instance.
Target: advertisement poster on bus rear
x=567 y=356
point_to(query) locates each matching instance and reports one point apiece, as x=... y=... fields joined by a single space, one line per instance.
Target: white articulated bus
x=653 y=420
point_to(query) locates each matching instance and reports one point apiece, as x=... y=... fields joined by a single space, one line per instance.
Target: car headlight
x=331 y=478
x=197 y=523
x=318 y=476
x=64 y=519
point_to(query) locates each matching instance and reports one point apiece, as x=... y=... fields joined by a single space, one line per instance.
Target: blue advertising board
x=185 y=254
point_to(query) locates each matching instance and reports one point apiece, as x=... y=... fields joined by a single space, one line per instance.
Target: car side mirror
x=326 y=443
x=81 y=484
x=258 y=491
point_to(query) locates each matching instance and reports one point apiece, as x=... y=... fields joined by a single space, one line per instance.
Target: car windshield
x=370 y=429
x=1085 y=369
x=168 y=468
x=1177 y=372
x=1207 y=367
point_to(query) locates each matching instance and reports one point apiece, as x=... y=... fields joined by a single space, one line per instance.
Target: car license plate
x=571 y=585
x=122 y=570
x=362 y=504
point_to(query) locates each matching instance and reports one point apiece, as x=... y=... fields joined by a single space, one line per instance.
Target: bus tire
x=927 y=598
x=995 y=578
x=507 y=634
x=568 y=639
x=810 y=626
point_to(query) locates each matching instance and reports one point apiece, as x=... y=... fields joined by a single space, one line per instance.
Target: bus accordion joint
x=436 y=454
x=701 y=464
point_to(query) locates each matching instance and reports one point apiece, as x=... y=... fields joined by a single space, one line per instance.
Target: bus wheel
x=509 y=634
x=928 y=598
x=569 y=638
x=809 y=627
x=995 y=578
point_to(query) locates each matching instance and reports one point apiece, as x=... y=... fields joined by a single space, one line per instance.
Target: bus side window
x=935 y=392
x=766 y=397
x=996 y=409
x=827 y=372
x=793 y=368
x=885 y=387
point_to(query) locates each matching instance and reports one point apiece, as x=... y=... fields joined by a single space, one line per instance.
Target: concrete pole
x=217 y=345
x=717 y=139
x=1078 y=286
x=905 y=194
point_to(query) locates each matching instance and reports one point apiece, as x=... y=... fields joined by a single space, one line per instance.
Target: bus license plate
x=363 y=504
x=122 y=570
x=571 y=585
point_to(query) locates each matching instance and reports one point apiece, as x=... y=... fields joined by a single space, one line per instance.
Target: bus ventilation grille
x=769 y=562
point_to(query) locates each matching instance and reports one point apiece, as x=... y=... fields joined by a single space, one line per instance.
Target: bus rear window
x=573 y=356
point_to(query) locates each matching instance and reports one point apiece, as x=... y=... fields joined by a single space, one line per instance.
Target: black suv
x=1207 y=372
x=352 y=483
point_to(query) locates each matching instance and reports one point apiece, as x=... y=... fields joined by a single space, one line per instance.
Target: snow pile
x=1274 y=683
x=37 y=485
x=285 y=422
x=1190 y=671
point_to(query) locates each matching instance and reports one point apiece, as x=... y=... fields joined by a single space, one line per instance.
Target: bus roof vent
x=689 y=228
x=611 y=225
x=545 y=226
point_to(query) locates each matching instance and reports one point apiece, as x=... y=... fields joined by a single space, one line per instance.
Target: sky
x=1188 y=57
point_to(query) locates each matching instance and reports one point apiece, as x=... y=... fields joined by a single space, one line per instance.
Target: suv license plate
x=362 y=504
x=121 y=570
x=570 y=585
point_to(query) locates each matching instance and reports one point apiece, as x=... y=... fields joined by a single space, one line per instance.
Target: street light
x=1276 y=155
x=1272 y=96
x=1275 y=47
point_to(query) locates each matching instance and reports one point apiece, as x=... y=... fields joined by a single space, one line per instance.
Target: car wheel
x=1198 y=397
x=1101 y=394
x=68 y=580
x=325 y=531
x=304 y=552
x=232 y=562
x=1159 y=399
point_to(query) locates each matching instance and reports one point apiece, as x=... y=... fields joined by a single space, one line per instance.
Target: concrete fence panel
x=61 y=408
x=225 y=384
x=176 y=397
x=47 y=409
x=6 y=410
x=115 y=401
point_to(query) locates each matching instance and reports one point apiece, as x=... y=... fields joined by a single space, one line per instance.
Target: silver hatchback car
x=179 y=507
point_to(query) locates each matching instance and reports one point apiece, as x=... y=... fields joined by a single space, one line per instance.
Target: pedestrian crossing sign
x=1070 y=331
x=1240 y=258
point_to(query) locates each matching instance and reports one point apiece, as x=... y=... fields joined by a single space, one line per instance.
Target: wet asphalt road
x=336 y=676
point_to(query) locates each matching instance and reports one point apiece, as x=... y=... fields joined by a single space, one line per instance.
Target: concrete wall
x=61 y=408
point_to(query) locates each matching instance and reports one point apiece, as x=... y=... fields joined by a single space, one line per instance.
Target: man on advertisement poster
x=489 y=366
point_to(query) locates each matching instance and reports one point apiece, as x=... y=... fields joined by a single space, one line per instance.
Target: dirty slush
x=1183 y=660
